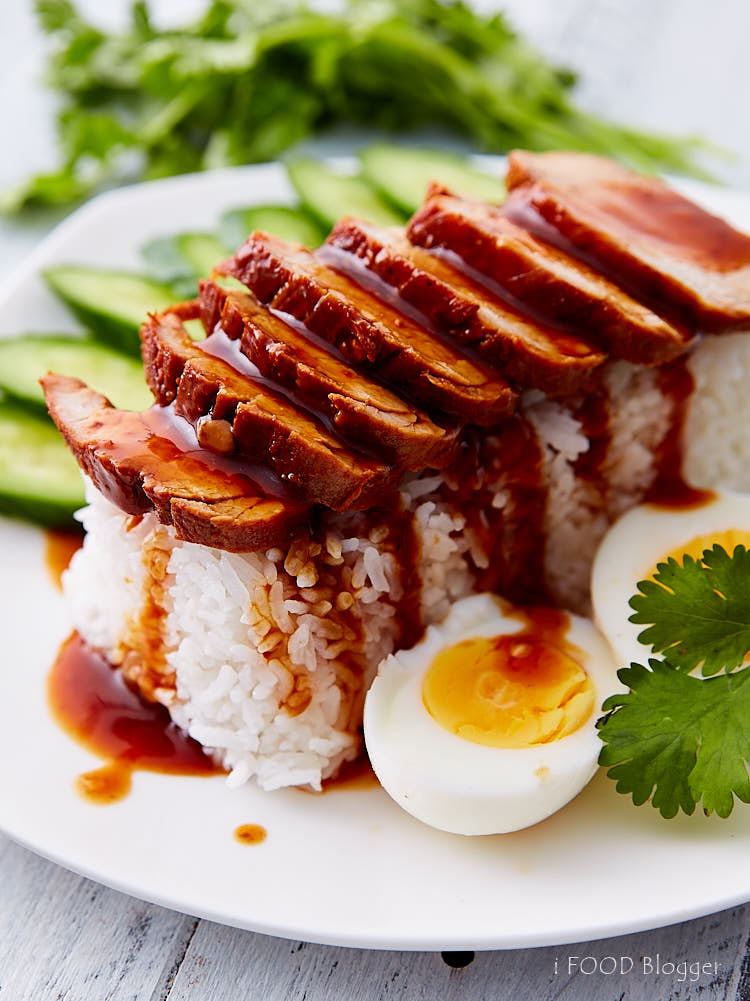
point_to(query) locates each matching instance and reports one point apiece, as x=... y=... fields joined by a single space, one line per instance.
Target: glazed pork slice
x=236 y=412
x=530 y=353
x=141 y=462
x=539 y=277
x=639 y=231
x=369 y=332
x=361 y=411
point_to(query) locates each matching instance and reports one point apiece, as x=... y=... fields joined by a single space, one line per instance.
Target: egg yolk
x=728 y=539
x=507 y=691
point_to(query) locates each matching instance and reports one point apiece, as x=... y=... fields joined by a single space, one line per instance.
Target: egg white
x=463 y=787
x=634 y=545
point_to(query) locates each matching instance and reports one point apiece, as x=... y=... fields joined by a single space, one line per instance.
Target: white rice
x=265 y=657
x=574 y=520
x=639 y=416
x=250 y=639
x=717 y=428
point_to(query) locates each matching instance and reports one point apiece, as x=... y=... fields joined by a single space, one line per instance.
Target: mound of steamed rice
x=264 y=657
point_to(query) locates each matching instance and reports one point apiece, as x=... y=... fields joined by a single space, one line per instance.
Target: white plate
x=348 y=867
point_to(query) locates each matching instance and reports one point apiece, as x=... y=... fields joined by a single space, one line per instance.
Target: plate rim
x=580 y=932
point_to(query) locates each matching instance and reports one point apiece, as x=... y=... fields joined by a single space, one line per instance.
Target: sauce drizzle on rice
x=508 y=537
x=145 y=660
x=670 y=488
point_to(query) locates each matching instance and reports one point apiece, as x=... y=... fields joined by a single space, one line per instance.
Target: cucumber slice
x=181 y=260
x=195 y=328
x=294 y=225
x=401 y=174
x=112 y=304
x=329 y=195
x=202 y=251
x=39 y=478
x=24 y=359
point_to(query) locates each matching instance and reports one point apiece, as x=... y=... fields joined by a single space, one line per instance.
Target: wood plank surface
x=70 y=939
x=64 y=938
x=678 y=64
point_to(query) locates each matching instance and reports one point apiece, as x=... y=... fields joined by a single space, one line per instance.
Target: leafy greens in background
x=252 y=77
x=676 y=738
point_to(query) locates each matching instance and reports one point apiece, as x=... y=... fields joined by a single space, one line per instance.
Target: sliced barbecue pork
x=529 y=352
x=549 y=282
x=659 y=244
x=333 y=373
x=145 y=462
x=361 y=410
x=369 y=332
x=236 y=412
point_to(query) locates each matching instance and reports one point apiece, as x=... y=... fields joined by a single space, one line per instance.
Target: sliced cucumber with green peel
x=202 y=251
x=111 y=304
x=195 y=329
x=182 y=259
x=23 y=360
x=293 y=225
x=39 y=478
x=402 y=174
x=329 y=195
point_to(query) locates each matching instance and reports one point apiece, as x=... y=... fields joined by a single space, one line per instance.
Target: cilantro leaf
x=55 y=15
x=91 y=134
x=679 y=739
x=699 y=613
x=43 y=191
x=263 y=74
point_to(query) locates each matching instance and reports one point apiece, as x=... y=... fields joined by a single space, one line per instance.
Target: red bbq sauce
x=107 y=784
x=593 y=413
x=158 y=438
x=250 y=834
x=512 y=537
x=669 y=488
x=357 y=774
x=544 y=627
x=521 y=210
x=94 y=704
x=61 y=545
x=406 y=548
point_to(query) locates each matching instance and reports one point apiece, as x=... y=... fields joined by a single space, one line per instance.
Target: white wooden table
x=679 y=64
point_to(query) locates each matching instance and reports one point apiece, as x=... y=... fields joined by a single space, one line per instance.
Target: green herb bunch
x=250 y=78
x=676 y=738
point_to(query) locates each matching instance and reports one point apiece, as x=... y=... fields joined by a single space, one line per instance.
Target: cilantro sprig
x=674 y=738
x=249 y=78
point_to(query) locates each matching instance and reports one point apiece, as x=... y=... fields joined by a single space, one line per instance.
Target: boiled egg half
x=487 y=725
x=646 y=536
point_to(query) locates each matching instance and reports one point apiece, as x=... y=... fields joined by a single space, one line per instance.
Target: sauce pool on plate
x=357 y=774
x=250 y=834
x=94 y=704
x=107 y=784
x=61 y=545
